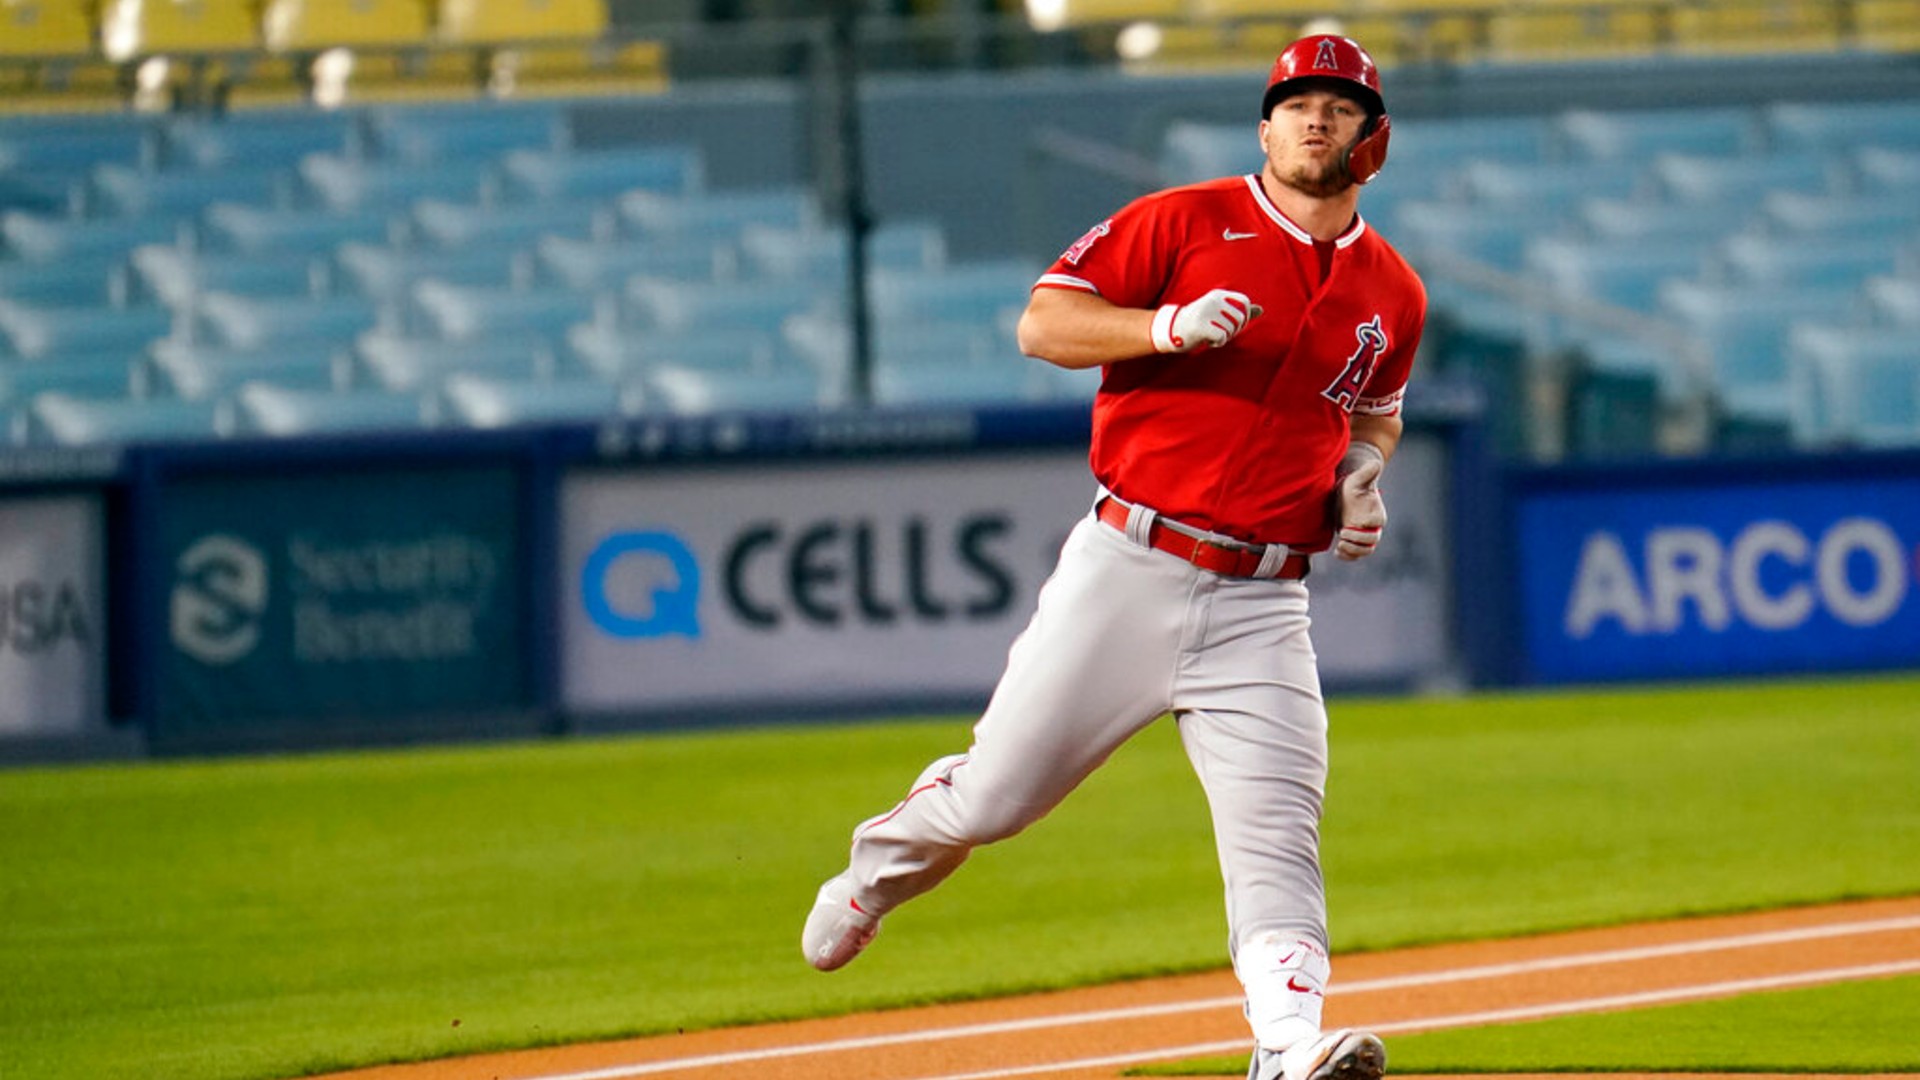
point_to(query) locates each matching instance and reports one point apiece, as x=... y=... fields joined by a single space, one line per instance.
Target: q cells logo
x=642 y=585
x=219 y=593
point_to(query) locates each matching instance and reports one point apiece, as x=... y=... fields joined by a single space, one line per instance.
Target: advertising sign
x=348 y=595
x=1650 y=581
x=829 y=583
x=52 y=616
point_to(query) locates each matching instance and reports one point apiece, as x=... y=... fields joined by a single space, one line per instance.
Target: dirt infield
x=1096 y=1033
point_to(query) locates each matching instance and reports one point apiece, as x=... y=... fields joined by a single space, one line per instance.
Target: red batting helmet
x=1330 y=56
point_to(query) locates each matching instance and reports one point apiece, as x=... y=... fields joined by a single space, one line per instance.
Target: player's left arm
x=1362 y=511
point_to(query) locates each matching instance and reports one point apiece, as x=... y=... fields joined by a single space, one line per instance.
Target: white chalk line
x=1362 y=986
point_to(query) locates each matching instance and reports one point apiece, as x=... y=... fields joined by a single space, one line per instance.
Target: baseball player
x=1255 y=337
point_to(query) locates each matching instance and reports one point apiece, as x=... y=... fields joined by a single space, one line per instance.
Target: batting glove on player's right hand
x=1363 y=513
x=1211 y=320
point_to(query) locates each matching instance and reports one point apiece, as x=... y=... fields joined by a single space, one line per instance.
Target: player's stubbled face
x=1306 y=138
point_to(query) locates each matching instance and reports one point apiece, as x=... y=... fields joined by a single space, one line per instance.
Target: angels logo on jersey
x=1345 y=391
x=1072 y=255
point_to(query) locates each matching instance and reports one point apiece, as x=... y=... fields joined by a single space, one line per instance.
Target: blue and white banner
x=1657 y=580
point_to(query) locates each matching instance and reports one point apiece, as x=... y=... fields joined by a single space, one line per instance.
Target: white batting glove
x=1211 y=320
x=1363 y=513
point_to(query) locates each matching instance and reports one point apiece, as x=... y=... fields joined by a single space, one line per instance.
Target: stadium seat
x=601 y=174
x=313 y=25
x=589 y=264
x=722 y=216
x=1810 y=260
x=965 y=292
x=256 y=322
x=1745 y=328
x=693 y=390
x=124 y=191
x=1550 y=32
x=40 y=238
x=263 y=408
x=1892 y=25
x=100 y=280
x=134 y=28
x=256 y=141
x=1895 y=300
x=679 y=307
x=1625 y=273
x=488 y=401
x=347 y=184
x=615 y=353
x=1740 y=26
x=1635 y=135
x=465 y=312
x=34 y=332
x=206 y=372
x=379 y=271
x=399 y=363
x=1844 y=124
x=76 y=145
x=234 y=227
x=1649 y=219
x=1550 y=186
x=1494 y=235
x=62 y=419
x=1841 y=216
x=1893 y=171
x=578 y=69
x=452 y=225
x=998 y=383
x=494 y=22
x=111 y=376
x=42 y=29
x=788 y=252
x=1696 y=179
x=1853 y=385
x=425 y=135
x=178 y=277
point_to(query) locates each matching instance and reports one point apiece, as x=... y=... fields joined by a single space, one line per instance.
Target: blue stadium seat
x=344 y=184
x=1854 y=385
x=237 y=227
x=694 y=390
x=1191 y=151
x=720 y=216
x=422 y=135
x=1634 y=135
x=1626 y=273
x=615 y=353
x=680 y=307
x=61 y=419
x=1745 y=329
x=257 y=322
x=1895 y=300
x=95 y=280
x=1842 y=216
x=967 y=292
x=76 y=146
x=466 y=312
x=601 y=174
x=1626 y=219
x=205 y=371
x=452 y=224
x=42 y=238
x=1551 y=187
x=1495 y=235
x=485 y=401
x=262 y=140
x=1810 y=260
x=110 y=376
x=380 y=271
x=792 y=252
x=266 y=409
x=1895 y=172
x=400 y=363
x=589 y=264
x=1844 y=125
x=123 y=191
x=1435 y=145
x=34 y=332
x=825 y=341
x=1001 y=382
x=178 y=277
x=1694 y=179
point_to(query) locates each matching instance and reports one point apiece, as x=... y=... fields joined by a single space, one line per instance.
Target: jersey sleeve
x=1123 y=260
x=1387 y=385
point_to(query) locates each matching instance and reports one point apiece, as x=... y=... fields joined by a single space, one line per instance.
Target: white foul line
x=1004 y=1027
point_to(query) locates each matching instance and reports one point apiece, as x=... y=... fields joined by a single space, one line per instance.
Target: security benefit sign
x=796 y=584
x=1742 y=578
x=52 y=616
x=342 y=595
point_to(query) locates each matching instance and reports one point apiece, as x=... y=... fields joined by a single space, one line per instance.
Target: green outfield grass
x=1865 y=1027
x=261 y=918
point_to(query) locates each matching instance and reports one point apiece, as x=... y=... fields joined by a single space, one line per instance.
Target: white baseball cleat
x=836 y=927
x=1345 y=1054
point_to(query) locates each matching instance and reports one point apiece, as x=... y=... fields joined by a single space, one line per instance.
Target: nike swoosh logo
x=1231 y=235
x=1294 y=984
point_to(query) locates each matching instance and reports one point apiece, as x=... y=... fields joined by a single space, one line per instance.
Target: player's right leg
x=1091 y=669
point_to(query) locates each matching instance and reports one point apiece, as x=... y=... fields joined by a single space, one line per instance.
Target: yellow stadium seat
x=1745 y=26
x=1887 y=24
x=1572 y=34
x=638 y=67
x=418 y=75
x=488 y=22
x=319 y=24
x=44 y=28
x=259 y=81
x=130 y=28
x=1262 y=10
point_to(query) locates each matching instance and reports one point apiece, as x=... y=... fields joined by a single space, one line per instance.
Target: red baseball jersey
x=1244 y=439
